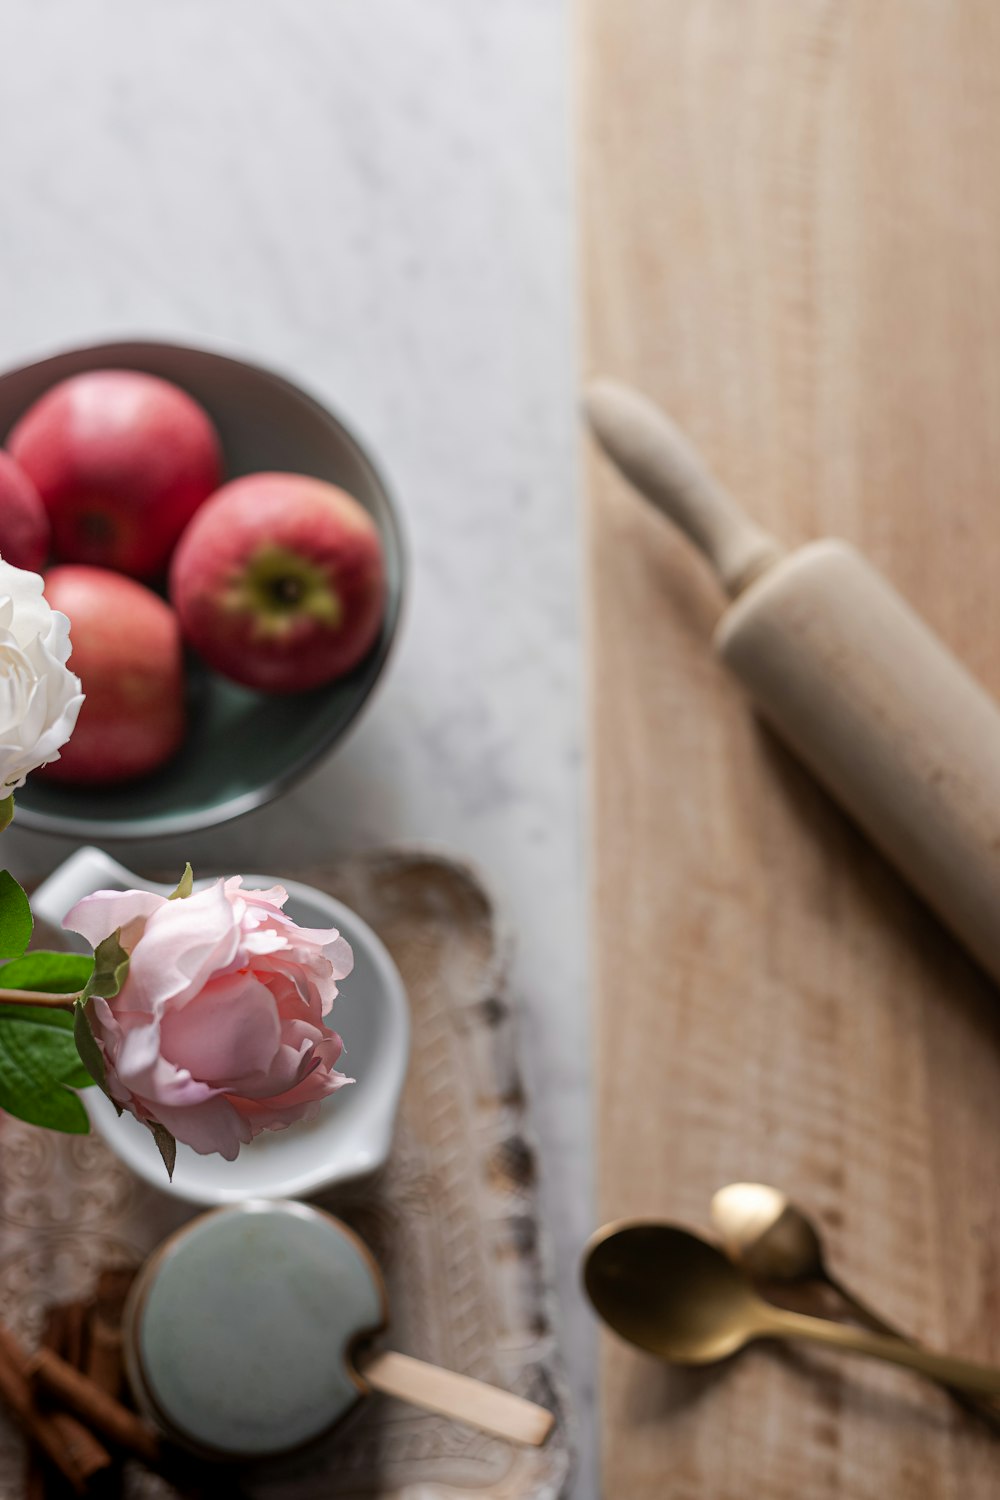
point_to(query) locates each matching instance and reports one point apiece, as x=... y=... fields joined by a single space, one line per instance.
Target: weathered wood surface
x=791 y=230
x=452 y=1220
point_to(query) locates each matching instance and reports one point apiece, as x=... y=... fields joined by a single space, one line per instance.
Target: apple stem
x=40 y=998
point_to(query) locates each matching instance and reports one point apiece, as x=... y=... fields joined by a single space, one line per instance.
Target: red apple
x=279 y=582
x=127 y=652
x=122 y=461
x=24 y=523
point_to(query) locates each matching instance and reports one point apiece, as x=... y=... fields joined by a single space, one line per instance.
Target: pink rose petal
x=217 y=1032
x=230 y=1029
x=96 y=917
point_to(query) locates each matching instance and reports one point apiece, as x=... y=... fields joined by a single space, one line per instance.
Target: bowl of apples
x=232 y=566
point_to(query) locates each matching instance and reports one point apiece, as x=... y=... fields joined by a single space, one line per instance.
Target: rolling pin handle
x=655 y=456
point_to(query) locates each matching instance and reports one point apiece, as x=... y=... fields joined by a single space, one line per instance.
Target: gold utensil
x=669 y=1291
x=775 y=1241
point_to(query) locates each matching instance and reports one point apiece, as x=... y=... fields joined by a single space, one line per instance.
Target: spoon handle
x=984 y=1379
x=459 y=1396
x=979 y=1406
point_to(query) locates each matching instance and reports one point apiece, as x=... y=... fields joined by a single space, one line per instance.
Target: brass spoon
x=774 y=1240
x=668 y=1291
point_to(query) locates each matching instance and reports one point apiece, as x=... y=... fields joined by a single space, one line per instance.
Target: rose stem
x=39 y=997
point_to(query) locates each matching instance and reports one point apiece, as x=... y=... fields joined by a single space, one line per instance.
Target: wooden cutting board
x=791 y=229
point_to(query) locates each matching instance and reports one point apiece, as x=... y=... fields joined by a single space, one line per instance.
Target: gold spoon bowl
x=672 y=1293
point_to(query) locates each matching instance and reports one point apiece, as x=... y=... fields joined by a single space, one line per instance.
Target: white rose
x=39 y=696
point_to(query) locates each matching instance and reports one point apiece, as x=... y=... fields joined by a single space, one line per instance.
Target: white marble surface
x=375 y=196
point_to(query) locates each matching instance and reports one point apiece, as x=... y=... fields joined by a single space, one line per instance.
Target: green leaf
x=40 y=1067
x=38 y=1015
x=165 y=1144
x=55 y=973
x=184 y=886
x=87 y=1049
x=6 y=811
x=15 y=917
x=110 y=968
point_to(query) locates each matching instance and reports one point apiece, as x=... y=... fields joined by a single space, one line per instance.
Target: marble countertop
x=377 y=199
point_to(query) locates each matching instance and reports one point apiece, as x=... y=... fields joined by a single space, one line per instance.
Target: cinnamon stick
x=42 y=1481
x=71 y=1448
x=104 y=1363
x=74 y=1339
x=107 y=1416
x=85 y=1451
x=37 y=1484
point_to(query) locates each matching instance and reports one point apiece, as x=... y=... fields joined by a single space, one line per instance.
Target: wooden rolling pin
x=846 y=672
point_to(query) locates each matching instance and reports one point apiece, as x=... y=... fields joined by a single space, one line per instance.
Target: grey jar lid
x=240 y=1328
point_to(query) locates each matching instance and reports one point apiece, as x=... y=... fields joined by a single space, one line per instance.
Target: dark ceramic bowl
x=243 y=748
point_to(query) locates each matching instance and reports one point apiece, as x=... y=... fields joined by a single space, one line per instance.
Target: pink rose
x=217 y=1031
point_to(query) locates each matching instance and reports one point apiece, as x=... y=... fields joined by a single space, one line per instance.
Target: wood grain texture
x=452 y=1219
x=791 y=228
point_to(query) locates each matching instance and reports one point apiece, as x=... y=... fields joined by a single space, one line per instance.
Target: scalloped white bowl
x=352 y=1135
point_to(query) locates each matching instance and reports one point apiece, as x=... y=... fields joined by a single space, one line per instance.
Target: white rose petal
x=40 y=697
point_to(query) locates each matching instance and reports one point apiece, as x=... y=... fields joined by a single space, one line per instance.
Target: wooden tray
x=790 y=221
x=453 y=1219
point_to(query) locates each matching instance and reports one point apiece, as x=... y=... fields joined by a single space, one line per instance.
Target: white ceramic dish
x=351 y=1136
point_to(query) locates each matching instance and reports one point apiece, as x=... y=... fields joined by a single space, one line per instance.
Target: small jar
x=239 y=1329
